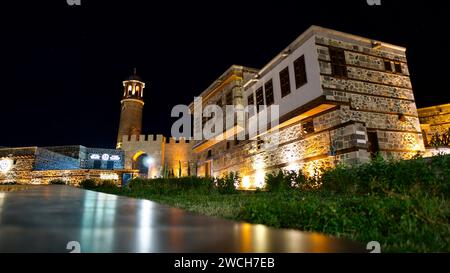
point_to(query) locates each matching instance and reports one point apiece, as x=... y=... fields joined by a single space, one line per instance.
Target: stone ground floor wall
x=435 y=120
x=430 y=152
x=71 y=177
x=19 y=170
x=337 y=139
x=169 y=156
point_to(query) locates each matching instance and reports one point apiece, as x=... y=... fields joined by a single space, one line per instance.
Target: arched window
x=129 y=89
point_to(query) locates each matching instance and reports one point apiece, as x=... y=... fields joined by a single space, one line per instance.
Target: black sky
x=62 y=67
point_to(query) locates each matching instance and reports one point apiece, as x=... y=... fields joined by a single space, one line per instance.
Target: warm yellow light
x=293 y=167
x=246 y=182
x=260 y=179
x=109 y=176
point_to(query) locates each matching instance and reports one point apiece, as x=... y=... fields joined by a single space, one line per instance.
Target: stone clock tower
x=132 y=106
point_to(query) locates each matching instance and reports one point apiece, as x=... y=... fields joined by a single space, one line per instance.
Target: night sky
x=62 y=66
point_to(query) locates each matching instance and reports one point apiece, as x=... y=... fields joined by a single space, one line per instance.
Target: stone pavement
x=46 y=218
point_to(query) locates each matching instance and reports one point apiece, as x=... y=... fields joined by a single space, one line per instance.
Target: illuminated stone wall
x=151 y=145
x=84 y=155
x=165 y=153
x=23 y=161
x=381 y=99
x=40 y=166
x=374 y=98
x=231 y=82
x=179 y=154
x=48 y=160
x=331 y=143
x=435 y=119
x=74 y=177
x=20 y=171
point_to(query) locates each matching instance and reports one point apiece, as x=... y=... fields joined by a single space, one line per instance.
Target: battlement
x=143 y=138
x=158 y=138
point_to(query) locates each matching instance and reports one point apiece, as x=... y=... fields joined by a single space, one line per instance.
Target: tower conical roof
x=134 y=77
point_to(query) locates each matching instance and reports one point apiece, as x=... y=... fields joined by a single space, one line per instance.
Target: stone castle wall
x=168 y=154
x=48 y=160
x=20 y=171
x=381 y=100
x=369 y=100
x=179 y=157
x=434 y=120
x=310 y=153
x=74 y=177
x=152 y=145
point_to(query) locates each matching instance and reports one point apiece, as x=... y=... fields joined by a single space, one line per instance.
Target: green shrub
x=88 y=184
x=228 y=183
x=278 y=182
x=384 y=177
x=284 y=180
x=172 y=185
x=107 y=184
x=340 y=179
x=402 y=204
x=58 y=182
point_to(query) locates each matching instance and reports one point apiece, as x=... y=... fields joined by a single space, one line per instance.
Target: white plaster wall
x=298 y=97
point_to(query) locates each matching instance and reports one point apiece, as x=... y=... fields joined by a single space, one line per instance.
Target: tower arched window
x=129 y=89
x=137 y=89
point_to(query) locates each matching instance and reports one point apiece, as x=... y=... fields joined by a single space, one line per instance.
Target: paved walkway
x=46 y=218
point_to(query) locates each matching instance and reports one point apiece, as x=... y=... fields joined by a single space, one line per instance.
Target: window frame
x=300 y=75
x=285 y=82
x=386 y=62
x=268 y=93
x=398 y=65
x=259 y=91
x=338 y=62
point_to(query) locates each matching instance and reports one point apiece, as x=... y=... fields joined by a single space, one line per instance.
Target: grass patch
x=402 y=204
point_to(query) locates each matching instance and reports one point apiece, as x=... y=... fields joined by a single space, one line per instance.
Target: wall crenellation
x=143 y=138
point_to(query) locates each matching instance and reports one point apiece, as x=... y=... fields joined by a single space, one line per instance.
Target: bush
x=181 y=185
x=278 y=182
x=228 y=183
x=88 y=184
x=107 y=184
x=58 y=182
x=402 y=204
x=383 y=177
x=284 y=180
